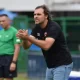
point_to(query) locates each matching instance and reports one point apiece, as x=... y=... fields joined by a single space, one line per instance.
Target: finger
x=20 y=31
x=12 y=69
x=26 y=30
x=19 y=36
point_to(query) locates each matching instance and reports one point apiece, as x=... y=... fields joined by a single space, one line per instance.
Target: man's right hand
x=22 y=34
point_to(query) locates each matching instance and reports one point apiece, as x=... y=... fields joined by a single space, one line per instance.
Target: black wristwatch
x=14 y=62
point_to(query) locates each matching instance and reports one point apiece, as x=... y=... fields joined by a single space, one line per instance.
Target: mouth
x=36 y=20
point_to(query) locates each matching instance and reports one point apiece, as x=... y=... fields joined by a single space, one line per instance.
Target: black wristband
x=14 y=62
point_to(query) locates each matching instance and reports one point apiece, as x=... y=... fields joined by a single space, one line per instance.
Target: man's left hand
x=12 y=66
x=22 y=34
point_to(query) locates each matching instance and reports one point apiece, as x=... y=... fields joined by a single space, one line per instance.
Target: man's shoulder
x=1 y=30
x=54 y=25
x=13 y=28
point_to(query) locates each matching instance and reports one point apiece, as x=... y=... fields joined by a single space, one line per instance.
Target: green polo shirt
x=7 y=41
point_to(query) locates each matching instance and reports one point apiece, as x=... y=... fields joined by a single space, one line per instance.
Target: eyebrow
x=37 y=13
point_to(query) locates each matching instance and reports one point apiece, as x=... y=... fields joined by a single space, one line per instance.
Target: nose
x=35 y=16
x=1 y=23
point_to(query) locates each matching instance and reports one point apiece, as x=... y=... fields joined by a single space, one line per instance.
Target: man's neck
x=7 y=27
x=43 y=25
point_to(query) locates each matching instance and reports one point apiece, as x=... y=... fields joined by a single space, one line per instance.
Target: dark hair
x=3 y=15
x=46 y=10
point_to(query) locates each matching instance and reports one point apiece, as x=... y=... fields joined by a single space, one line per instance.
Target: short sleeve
x=34 y=32
x=54 y=31
x=15 y=39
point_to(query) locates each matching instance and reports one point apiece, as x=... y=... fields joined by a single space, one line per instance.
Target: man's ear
x=46 y=16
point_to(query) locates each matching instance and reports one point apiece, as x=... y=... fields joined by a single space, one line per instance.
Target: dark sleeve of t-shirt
x=54 y=31
x=33 y=33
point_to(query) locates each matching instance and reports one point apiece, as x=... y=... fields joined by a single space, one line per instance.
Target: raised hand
x=22 y=34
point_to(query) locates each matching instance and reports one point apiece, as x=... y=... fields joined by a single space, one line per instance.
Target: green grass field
x=22 y=77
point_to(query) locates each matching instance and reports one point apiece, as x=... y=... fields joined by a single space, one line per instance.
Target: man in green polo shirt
x=9 y=49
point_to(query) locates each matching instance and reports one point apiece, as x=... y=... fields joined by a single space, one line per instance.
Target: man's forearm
x=26 y=44
x=16 y=52
x=40 y=43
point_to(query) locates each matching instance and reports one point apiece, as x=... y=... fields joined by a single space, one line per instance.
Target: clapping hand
x=22 y=34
